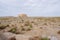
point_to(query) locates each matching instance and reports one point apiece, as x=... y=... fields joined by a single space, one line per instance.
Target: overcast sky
x=30 y=7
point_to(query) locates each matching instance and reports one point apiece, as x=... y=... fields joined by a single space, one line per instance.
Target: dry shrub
x=39 y=38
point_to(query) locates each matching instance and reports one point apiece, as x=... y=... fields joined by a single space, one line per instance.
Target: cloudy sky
x=30 y=7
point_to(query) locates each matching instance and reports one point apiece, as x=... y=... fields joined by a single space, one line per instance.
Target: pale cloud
x=47 y=6
x=30 y=7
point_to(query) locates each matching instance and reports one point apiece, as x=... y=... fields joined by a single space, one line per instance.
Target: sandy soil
x=29 y=28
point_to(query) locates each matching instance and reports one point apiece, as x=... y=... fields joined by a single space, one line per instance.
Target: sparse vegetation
x=29 y=28
x=58 y=32
x=45 y=24
x=3 y=26
x=4 y=18
x=41 y=27
x=46 y=38
x=32 y=27
x=39 y=38
x=13 y=30
x=35 y=38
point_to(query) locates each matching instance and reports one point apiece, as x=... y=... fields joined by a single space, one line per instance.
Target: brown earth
x=29 y=28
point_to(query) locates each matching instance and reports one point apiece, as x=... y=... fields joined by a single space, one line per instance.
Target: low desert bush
x=38 y=38
x=3 y=26
x=46 y=38
x=13 y=30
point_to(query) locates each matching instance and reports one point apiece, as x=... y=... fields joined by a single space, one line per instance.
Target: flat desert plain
x=29 y=28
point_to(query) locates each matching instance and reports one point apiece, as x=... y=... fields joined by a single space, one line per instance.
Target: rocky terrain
x=29 y=28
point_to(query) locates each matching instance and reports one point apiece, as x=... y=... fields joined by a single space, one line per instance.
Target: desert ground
x=23 y=27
